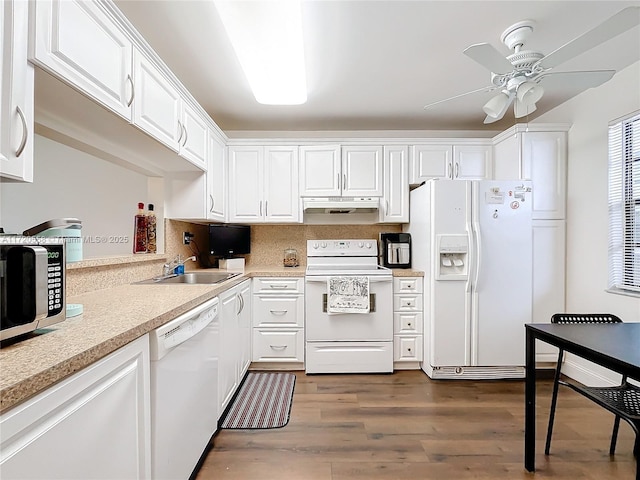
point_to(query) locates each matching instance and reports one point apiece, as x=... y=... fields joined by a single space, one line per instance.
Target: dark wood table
x=614 y=346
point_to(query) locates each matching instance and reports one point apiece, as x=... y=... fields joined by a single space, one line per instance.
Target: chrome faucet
x=167 y=268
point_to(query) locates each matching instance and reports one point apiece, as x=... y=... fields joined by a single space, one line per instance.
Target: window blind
x=624 y=205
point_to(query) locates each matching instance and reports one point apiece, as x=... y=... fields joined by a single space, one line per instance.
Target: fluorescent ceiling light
x=267 y=38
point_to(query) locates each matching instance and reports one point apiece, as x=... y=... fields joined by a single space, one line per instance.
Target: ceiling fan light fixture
x=529 y=93
x=497 y=106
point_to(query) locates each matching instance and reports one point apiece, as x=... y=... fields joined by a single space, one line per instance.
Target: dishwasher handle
x=183 y=328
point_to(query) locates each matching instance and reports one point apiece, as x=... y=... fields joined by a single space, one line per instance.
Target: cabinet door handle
x=212 y=203
x=260 y=207
x=278 y=312
x=266 y=208
x=133 y=92
x=448 y=175
x=386 y=207
x=344 y=182
x=241 y=302
x=180 y=132
x=186 y=135
x=25 y=133
x=339 y=182
x=456 y=169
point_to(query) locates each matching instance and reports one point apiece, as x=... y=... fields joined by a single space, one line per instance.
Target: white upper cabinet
x=395 y=204
x=471 y=162
x=157 y=106
x=332 y=171
x=362 y=171
x=320 y=171
x=77 y=41
x=194 y=139
x=263 y=184
x=281 y=196
x=539 y=155
x=216 y=181
x=16 y=93
x=453 y=162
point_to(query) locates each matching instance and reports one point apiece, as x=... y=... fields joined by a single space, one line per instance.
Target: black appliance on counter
x=395 y=249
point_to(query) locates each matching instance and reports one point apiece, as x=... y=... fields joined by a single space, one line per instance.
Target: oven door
x=377 y=325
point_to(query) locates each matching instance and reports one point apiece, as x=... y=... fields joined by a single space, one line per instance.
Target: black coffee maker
x=395 y=250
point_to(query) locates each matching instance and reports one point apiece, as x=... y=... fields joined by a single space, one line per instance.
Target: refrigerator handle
x=477 y=249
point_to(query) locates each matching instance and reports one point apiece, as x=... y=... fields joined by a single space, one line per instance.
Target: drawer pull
x=278 y=286
x=278 y=312
x=278 y=347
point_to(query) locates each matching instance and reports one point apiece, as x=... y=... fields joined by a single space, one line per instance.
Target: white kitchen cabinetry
x=78 y=42
x=95 y=423
x=537 y=153
x=216 y=180
x=194 y=141
x=395 y=199
x=16 y=93
x=235 y=338
x=278 y=321
x=332 y=171
x=453 y=162
x=407 y=322
x=157 y=107
x=263 y=184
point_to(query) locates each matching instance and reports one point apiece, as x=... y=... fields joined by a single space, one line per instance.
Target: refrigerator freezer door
x=502 y=289
x=449 y=314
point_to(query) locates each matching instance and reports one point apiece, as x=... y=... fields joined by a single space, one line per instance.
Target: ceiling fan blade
x=483 y=89
x=487 y=56
x=489 y=119
x=582 y=80
x=521 y=110
x=614 y=26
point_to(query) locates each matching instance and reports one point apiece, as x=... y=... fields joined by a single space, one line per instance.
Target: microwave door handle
x=42 y=282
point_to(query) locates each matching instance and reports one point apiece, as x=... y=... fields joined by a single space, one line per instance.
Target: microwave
x=32 y=284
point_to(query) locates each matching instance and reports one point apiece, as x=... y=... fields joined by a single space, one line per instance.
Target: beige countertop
x=111 y=318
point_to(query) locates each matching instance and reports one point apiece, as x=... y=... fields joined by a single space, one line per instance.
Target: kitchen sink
x=200 y=278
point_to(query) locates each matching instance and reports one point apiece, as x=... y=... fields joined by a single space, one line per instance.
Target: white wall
x=587 y=218
x=71 y=183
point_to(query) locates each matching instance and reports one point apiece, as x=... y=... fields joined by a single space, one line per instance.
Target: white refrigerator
x=473 y=240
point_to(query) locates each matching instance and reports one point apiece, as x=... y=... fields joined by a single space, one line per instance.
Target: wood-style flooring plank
x=405 y=426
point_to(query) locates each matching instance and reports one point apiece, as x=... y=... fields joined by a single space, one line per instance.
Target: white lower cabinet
x=235 y=340
x=278 y=321
x=94 y=424
x=407 y=322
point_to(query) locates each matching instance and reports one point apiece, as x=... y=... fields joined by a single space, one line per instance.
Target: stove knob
x=323 y=244
x=368 y=245
x=360 y=244
x=315 y=245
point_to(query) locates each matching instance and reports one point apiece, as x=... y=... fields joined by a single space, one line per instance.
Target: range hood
x=341 y=205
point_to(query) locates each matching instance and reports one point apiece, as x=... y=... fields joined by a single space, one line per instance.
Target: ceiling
x=373 y=65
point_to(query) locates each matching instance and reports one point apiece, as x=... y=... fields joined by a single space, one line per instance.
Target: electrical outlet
x=186 y=238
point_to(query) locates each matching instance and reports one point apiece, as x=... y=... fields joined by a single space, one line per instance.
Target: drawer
x=278 y=345
x=407 y=322
x=407 y=348
x=407 y=285
x=407 y=303
x=278 y=311
x=278 y=285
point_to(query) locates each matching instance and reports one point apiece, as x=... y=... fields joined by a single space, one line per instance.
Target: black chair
x=623 y=400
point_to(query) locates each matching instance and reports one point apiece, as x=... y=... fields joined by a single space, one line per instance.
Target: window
x=624 y=205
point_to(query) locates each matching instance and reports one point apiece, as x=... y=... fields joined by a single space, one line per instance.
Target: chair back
x=566 y=318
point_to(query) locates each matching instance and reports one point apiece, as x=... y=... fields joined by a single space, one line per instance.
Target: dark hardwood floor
x=406 y=426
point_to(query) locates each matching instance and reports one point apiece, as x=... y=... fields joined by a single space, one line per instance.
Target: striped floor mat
x=264 y=401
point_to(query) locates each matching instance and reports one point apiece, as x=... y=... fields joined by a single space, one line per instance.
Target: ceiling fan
x=522 y=76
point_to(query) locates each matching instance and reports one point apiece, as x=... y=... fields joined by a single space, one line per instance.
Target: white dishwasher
x=184 y=390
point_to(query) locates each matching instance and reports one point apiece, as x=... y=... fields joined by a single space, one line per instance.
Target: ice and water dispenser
x=453 y=252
